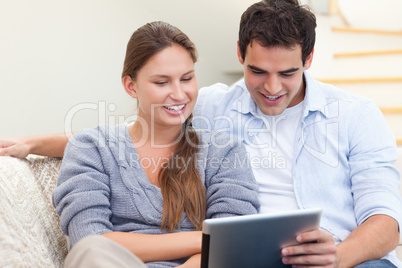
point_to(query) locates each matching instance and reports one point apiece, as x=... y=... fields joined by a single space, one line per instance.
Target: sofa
x=30 y=235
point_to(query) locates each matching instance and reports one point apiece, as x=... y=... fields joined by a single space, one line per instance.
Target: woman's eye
x=186 y=79
x=160 y=83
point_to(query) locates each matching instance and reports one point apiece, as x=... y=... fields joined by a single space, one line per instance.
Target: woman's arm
x=161 y=247
x=231 y=189
x=48 y=145
x=82 y=200
x=193 y=262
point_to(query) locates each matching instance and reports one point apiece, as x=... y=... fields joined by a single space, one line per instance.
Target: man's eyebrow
x=291 y=70
x=254 y=68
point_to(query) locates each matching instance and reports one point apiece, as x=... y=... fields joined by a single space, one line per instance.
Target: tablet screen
x=254 y=240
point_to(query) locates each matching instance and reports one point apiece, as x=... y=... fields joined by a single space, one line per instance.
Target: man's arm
x=47 y=145
x=374 y=182
x=375 y=237
x=374 y=185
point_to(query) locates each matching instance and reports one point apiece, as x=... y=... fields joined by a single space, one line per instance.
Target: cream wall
x=328 y=43
x=373 y=14
x=55 y=55
x=60 y=61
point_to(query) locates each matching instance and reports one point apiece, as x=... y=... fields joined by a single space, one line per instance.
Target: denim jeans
x=376 y=264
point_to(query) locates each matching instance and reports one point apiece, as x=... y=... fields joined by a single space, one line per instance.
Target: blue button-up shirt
x=344 y=153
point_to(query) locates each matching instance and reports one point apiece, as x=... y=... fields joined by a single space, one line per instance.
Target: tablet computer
x=253 y=240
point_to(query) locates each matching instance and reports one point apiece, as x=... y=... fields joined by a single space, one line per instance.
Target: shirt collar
x=244 y=104
x=314 y=100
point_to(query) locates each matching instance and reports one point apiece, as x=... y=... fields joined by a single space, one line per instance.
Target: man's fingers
x=309 y=249
x=14 y=151
x=4 y=152
x=317 y=248
x=310 y=260
x=5 y=145
x=315 y=236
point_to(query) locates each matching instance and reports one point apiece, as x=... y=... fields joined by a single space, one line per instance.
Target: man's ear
x=241 y=60
x=309 y=60
x=130 y=86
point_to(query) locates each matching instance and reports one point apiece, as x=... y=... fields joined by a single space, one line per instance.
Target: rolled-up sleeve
x=374 y=177
x=83 y=193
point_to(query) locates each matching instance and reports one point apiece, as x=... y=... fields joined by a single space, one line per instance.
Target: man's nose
x=272 y=85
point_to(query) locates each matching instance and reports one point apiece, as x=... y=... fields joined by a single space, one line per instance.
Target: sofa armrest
x=29 y=226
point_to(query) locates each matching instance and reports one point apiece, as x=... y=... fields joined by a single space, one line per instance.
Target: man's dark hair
x=278 y=23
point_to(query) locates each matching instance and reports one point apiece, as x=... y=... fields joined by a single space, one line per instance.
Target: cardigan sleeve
x=82 y=195
x=231 y=189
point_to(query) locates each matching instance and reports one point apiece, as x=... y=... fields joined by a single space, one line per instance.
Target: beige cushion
x=30 y=235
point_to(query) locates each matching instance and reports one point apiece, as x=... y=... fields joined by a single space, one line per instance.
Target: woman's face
x=166 y=87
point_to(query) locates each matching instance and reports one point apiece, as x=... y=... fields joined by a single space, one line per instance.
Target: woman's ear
x=130 y=86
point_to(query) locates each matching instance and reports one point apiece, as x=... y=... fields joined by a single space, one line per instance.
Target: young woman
x=148 y=186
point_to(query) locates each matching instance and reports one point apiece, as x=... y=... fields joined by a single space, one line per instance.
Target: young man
x=309 y=144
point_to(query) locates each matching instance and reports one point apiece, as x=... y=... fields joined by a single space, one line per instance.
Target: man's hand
x=17 y=147
x=47 y=145
x=316 y=248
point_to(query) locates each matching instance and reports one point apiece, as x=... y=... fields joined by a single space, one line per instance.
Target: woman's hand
x=16 y=147
x=317 y=249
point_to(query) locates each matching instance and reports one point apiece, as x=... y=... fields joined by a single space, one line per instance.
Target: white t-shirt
x=271 y=156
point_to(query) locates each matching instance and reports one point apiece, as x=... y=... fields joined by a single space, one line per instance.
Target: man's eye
x=257 y=72
x=287 y=75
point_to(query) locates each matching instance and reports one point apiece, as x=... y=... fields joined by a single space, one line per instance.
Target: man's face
x=274 y=76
